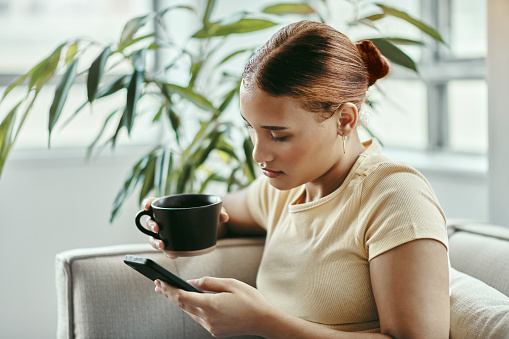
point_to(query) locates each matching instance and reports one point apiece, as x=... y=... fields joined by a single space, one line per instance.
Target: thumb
x=212 y=284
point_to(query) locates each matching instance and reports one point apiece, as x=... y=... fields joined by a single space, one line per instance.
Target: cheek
x=313 y=150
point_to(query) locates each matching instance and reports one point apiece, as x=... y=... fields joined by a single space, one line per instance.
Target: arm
x=410 y=284
x=411 y=288
x=240 y=221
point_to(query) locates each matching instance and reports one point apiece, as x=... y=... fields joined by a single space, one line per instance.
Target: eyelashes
x=278 y=139
x=272 y=137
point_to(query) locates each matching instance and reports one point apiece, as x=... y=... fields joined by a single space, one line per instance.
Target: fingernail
x=157 y=282
x=158 y=290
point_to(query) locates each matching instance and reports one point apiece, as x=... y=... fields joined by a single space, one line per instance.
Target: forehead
x=256 y=104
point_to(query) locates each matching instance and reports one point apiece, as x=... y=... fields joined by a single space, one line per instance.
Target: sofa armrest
x=100 y=297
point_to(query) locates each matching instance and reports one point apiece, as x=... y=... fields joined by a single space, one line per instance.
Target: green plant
x=176 y=166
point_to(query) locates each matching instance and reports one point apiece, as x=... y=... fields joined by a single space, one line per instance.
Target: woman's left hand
x=234 y=309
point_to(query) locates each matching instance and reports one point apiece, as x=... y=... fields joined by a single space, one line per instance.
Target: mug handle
x=143 y=229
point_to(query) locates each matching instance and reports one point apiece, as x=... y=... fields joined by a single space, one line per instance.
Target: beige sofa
x=100 y=297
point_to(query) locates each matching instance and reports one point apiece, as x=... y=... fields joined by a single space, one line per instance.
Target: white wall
x=51 y=204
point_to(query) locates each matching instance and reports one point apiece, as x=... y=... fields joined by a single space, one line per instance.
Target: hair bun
x=375 y=63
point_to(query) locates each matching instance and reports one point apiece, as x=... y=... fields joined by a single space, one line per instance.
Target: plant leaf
x=175 y=122
x=113 y=139
x=402 y=41
x=131 y=28
x=164 y=11
x=95 y=73
x=228 y=98
x=133 y=94
x=133 y=41
x=203 y=154
x=188 y=93
x=374 y=17
x=393 y=53
x=248 y=152
x=148 y=180
x=112 y=87
x=419 y=24
x=208 y=12
x=186 y=175
x=41 y=73
x=212 y=177
x=90 y=148
x=71 y=53
x=283 y=9
x=241 y=26
x=61 y=93
x=6 y=128
x=195 y=69
x=232 y=55
x=24 y=116
x=169 y=178
x=161 y=172
x=15 y=84
x=129 y=185
x=223 y=146
x=158 y=114
x=42 y=65
x=205 y=130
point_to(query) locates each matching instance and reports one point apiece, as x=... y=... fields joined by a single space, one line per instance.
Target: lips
x=271 y=173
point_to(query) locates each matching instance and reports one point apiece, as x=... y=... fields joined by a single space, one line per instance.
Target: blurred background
x=447 y=121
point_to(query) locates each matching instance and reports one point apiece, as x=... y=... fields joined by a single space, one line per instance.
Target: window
x=445 y=109
x=30 y=30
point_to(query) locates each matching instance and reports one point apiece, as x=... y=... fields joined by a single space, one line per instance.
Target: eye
x=248 y=126
x=279 y=139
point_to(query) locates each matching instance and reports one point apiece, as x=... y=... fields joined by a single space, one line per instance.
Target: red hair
x=316 y=64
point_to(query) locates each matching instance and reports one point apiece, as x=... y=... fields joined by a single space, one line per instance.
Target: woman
x=355 y=242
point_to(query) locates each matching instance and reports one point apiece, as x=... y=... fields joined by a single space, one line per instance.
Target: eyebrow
x=271 y=128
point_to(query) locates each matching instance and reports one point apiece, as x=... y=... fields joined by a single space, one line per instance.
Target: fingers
x=152 y=226
x=223 y=217
x=212 y=284
x=169 y=254
x=146 y=203
x=155 y=243
x=183 y=299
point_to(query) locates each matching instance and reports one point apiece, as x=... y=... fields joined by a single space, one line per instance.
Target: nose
x=262 y=152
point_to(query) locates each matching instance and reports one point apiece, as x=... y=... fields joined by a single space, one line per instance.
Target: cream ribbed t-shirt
x=315 y=263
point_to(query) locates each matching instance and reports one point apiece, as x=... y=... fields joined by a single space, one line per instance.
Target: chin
x=281 y=185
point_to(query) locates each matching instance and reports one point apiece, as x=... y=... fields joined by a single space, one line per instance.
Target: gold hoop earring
x=344 y=145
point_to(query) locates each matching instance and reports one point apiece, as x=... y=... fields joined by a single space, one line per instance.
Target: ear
x=347 y=119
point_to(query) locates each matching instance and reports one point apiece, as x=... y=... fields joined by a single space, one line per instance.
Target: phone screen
x=153 y=271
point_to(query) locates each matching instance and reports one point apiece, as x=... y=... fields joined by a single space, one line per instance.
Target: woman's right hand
x=154 y=227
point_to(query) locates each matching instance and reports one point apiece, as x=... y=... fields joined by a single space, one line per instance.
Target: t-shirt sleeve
x=397 y=206
x=257 y=200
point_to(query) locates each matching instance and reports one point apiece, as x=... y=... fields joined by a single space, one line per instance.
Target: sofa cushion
x=477 y=310
x=481 y=250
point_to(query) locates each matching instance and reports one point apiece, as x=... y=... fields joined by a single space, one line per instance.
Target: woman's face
x=291 y=146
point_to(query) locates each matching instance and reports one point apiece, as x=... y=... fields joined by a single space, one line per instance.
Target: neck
x=336 y=175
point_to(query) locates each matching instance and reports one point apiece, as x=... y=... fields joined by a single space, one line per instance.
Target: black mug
x=188 y=223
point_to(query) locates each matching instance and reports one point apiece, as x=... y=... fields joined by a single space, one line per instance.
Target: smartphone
x=153 y=271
